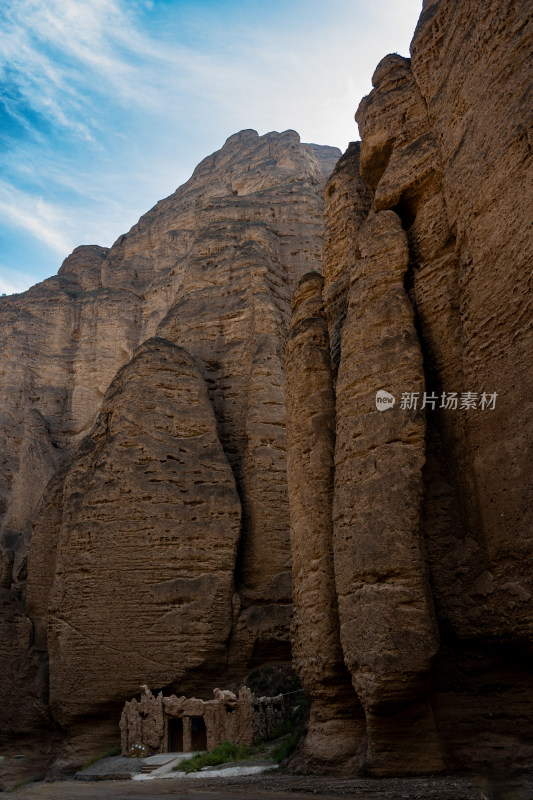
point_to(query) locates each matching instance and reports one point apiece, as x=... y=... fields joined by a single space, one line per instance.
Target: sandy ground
x=259 y=787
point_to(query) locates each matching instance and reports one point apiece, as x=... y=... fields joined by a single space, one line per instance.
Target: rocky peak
x=181 y=323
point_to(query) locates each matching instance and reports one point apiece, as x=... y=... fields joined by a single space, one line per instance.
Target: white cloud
x=135 y=105
x=61 y=54
x=65 y=54
x=14 y=282
x=42 y=220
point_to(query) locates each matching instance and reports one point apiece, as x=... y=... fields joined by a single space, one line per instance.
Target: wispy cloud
x=61 y=55
x=36 y=217
x=13 y=283
x=111 y=103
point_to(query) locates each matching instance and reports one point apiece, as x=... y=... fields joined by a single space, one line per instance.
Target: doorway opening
x=175 y=735
x=198 y=734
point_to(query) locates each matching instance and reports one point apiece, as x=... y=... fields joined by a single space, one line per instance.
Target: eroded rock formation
x=160 y=550
x=336 y=724
x=143 y=429
x=425 y=292
x=387 y=625
x=142 y=577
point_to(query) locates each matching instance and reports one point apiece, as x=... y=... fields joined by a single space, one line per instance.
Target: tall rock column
x=393 y=119
x=348 y=201
x=387 y=626
x=336 y=726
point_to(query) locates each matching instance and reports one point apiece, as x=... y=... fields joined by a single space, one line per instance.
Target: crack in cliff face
x=432 y=166
x=336 y=725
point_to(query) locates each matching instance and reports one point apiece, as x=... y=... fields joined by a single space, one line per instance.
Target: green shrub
x=292 y=730
x=281 y=730
x=299 y=713
x=295 y=720
x=221 y=754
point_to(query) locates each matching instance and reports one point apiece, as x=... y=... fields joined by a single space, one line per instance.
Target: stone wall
x=242 y=720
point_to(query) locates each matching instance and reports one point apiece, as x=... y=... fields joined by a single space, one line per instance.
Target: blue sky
x=108 y=105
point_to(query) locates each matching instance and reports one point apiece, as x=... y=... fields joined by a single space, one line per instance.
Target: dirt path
x=262 y=787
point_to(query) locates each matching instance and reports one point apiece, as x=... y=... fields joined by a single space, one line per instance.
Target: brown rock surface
x=336 y=725
x=211 y=268
x=484 y=108
x=414 y=523
x=348 y=201
x=143 y=575
x=387 y=626
x=442 y=306
x=259 y=236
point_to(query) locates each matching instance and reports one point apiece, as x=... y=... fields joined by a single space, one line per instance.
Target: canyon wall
x=427 y=500
x=149 y=500
x=143 y=424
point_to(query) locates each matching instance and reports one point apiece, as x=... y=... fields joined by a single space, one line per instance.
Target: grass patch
x=26 y=781
x=221 y=754
x=109 y=753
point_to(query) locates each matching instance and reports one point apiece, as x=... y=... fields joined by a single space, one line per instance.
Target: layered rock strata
x=142 y=578
x=336 y=725
x=426 y=296
x=387 y=624
x=210 y=269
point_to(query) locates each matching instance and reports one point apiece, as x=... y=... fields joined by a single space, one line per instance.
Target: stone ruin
x=158 y=724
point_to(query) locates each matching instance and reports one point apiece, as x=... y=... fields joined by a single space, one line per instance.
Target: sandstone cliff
x=144 y=409
x=141 y=579
x=427 y=507
x=336 y=724
x=144 y=387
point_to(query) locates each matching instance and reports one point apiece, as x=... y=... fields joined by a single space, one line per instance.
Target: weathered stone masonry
x=177 y=724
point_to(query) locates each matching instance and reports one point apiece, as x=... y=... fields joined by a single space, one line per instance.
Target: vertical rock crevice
x=347 y=203
x=336 y=733
x=388 y=629
x=427 y=290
